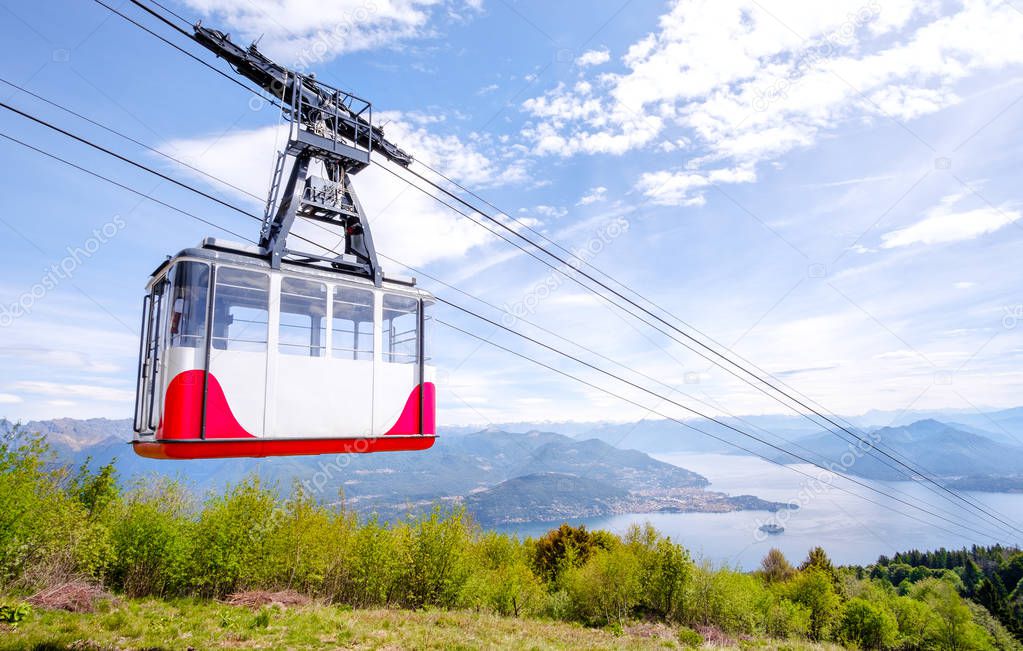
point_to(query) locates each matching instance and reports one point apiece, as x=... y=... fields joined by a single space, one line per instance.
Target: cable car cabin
x=239 y=359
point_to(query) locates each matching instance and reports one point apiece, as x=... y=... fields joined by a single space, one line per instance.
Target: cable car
x=253 y=351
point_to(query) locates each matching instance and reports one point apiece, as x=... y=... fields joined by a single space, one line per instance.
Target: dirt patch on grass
x=72 y=596
x=650 y=630
x=260 y=598
x=714 y=636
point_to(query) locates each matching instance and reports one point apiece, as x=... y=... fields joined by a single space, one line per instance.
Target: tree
x=818 y=559
x=607 y=587
x=775 y=567
x=952 y=628
x=867 y=625
x=671 y=572
x=814 y=588
x=992 y=595
x=566 y=547
x=971 y=577
x=1012 y=571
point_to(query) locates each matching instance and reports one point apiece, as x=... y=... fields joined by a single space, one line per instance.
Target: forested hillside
x=76 y=540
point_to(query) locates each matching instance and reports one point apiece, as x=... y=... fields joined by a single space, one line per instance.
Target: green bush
x=567 y=547
x=815 y=590
x=785 y=619
x=689 y=638
x=156 y=539
x=606 y=588
x=434 y=565
x=666 y=571
x=502 y=581
x=230 y=539
x=14 y=615
x=727 y=599
x=151 y=541
x=867 y=625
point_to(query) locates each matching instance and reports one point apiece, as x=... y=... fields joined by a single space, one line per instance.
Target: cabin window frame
x=252 y=343
x=316 y=293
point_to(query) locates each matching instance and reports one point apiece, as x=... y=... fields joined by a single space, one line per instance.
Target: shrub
x=867 y=625
x=606 y=588
x=727 y=599
x=230 y=539
x=665 y=571
x=567 y=547
x=14 y=615
x=785 y=619
x=364 y=571
x=502 y=581
x=775 y=567
x=952 y=625
x=302 y=542
x=434 y=565
x=151 y=541
x=914 y=619
x=814 y=588
x=689 y=638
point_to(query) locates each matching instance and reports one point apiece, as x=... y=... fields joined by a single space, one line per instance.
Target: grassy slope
x=183 y=624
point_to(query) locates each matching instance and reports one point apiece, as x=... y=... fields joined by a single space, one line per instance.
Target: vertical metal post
x=140 y=381
x=421 y=350
x=209 y=345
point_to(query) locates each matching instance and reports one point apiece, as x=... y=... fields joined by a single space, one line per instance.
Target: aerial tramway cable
x=618 y=378
x=687 y=425
x=326 y=248
x=911 y=475
x=894 y=456
x=547 y=252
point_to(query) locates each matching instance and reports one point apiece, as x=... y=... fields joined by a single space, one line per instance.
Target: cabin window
x=303 y=328
x=401 y=329
x=241 y=310
x=189 y=288
x=352 y=324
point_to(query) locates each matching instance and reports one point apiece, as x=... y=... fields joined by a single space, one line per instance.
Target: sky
x=829 y=190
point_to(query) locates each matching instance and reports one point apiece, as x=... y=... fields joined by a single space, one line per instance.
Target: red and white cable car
x=251 y=351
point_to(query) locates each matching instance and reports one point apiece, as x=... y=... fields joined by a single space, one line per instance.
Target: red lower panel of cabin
x=181 y=436
x=256 y=447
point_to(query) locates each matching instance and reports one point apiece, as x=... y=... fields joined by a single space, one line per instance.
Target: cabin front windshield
x=190 y=286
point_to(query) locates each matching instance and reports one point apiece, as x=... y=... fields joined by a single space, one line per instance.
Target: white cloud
x=594 y=195
x=684 y=188
x=65 y=391
x=9 y=399
x=943 y=224
x=593 y=58
x=51 y=357
x=305 y=32
x=406 y=223
x=964 y=284
x=550 y=211
x=747 y=85
x=475 y=163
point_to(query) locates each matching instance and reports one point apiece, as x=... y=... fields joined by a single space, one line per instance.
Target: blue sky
x=829 y=189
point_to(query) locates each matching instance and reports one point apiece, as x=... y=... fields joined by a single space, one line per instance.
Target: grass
x=196 y=624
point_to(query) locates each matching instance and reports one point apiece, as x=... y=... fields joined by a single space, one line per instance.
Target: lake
x=851 y=529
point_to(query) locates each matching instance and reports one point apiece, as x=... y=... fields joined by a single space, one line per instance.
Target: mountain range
x=488 y=471
x=589 y=469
